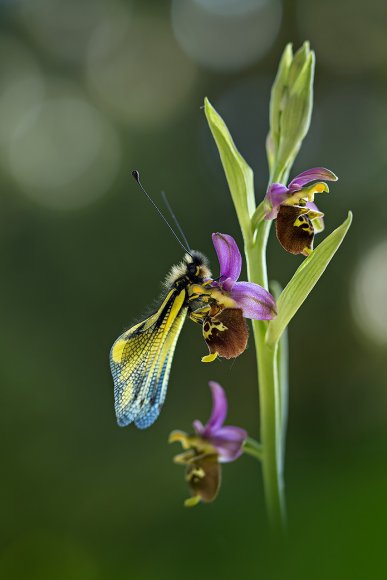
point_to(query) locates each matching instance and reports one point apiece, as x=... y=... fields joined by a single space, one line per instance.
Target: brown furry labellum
x=226 y=333
x=203 y=476
x=295 y=230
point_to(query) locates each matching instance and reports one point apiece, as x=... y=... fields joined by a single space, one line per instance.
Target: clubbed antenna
x=136 y=176
x=169 y=208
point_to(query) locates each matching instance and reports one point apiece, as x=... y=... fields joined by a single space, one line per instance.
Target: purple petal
x=255 y=302
x=198 y=426
x=228 y=442
x=229 y=256
x=227 y=284
x=276 y=194
x=219 y=410
x=315 y=174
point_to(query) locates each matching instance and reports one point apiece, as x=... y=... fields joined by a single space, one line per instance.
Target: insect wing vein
x=159 y=383
x=140 y=361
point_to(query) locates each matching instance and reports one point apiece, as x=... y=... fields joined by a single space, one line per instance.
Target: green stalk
x=273 y=410
x=283 y=374
x=255 y=233
x=253 y=448
x=269 y=391
x=290 y=112
x=283 y=380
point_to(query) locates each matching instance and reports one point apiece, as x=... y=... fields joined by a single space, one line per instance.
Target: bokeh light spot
x=64 y=154
x=224 y=34
x=369 y=294
x=349 y=37
x=137 y=70
x=64 y=29
x=21 y=85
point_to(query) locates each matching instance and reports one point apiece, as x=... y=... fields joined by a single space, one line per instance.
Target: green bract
x=239 y=174
x=304 y=280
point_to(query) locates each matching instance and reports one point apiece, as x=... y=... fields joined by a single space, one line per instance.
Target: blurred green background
x=90 y=89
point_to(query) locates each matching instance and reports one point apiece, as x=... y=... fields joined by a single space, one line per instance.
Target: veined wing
x=140 y=361
x=151 y=410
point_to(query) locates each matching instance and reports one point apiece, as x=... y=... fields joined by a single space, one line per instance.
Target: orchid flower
x=224 y=329
x=298 y=218
x=297 y=221
x=212 y=444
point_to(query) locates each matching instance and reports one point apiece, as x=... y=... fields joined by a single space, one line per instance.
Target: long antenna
x=169 y=208
x=136 y=176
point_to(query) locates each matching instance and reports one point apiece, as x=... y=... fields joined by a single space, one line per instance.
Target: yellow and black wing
x=140 y=361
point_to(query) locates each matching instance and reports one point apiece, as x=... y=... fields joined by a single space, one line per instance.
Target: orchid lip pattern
x=224 y=328
x=298 y=217
x=212 y=444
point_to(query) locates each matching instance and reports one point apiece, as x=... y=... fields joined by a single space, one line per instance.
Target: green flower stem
x=283 y=373
x=272 y=383
x=269 y=391
x=258 y=216
x=290 y=112
x=255 y=233
x=253 y=448
x=283 y=379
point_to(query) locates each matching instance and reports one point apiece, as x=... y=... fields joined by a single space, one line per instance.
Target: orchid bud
x=291 y=107
x=278 y=98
